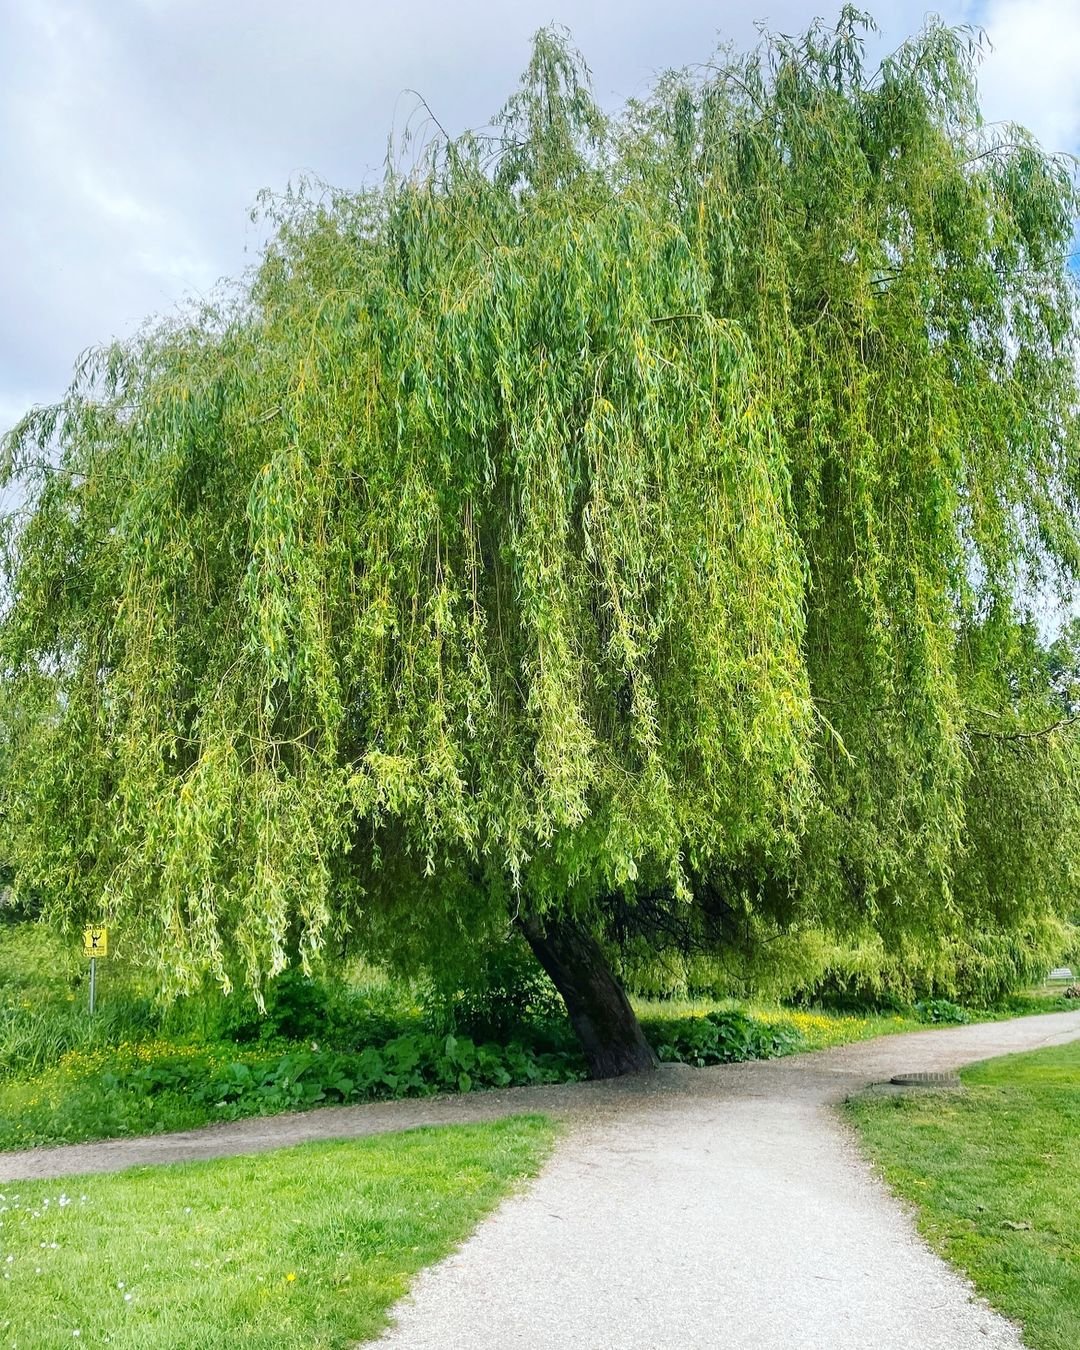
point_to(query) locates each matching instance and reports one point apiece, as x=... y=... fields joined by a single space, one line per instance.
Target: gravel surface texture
x=731 y=1211
x=691 y=1209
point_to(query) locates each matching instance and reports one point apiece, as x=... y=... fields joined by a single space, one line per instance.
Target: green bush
x=296 y=1008
x=347 y=1011
x=500 y=992
x=719 y=1038
x=942 y=1011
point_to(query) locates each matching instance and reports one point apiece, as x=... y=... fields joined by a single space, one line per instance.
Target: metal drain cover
x=926 y=1080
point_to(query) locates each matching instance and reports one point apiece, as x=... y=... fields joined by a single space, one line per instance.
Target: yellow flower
x=290 y=1277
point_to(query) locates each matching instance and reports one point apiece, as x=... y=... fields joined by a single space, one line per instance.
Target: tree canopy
x=620 y=522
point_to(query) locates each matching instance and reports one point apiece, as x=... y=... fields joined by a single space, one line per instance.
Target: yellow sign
x=95 y=940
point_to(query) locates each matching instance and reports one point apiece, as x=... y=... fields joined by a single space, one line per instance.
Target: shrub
x=719 y=1038
x=942 y=1011
x=317 y=1008
x=504 y=991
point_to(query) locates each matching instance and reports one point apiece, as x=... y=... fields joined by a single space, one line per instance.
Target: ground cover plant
x=994 y=1173
x=612 y=528
x=151 y=1085
x=304 y=1247
x=140 y=1066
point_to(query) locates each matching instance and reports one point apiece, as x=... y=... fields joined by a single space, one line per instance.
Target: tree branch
x=1059 y=725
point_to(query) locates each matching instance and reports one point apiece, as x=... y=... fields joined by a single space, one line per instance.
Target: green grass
x=817 y=1028
x=995 y=1175
x=43 y=997
x=307 y=1246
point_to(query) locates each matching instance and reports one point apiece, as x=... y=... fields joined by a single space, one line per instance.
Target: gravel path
x=685 y=1210
x=733 y=1212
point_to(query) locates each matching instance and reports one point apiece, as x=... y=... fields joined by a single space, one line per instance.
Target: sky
x=136 y=134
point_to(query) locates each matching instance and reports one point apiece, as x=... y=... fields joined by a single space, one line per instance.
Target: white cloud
x=1032 y=76
x=135 y=134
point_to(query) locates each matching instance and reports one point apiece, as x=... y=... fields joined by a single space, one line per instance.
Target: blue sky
x=135 y=134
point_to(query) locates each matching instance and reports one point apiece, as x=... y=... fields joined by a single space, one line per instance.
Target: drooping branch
x=1027 y=735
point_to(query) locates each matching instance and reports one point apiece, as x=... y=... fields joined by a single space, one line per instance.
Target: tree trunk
x=600 y=1012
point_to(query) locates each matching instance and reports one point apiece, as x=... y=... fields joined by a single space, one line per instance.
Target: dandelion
x=290 y=1277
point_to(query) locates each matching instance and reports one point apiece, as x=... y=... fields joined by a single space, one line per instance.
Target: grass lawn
x=995 y=1175
x=308 y=1246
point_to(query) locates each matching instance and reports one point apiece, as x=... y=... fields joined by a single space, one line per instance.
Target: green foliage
x=720 y=1038
x=124 y=1094
x=861 y=971
x=623 y=518
x=335 y=1013
x=978 y=969
x=492 y=997
x=297 y=1008
x=941 y=1010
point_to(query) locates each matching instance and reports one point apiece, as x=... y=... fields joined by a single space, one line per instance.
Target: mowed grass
x=307 y=1246
x=995 y=1175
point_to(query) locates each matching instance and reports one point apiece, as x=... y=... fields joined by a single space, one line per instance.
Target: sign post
x=95 y=945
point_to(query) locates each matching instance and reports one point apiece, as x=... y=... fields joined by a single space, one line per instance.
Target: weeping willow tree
x=583 y=531
x=901 y=270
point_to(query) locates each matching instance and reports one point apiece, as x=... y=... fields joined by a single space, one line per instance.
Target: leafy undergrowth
x=305 y=1246
x=147 y=1088
x=154 y=1086
x=719 y=1038
x=995 y=1175
x=802 y=1029
x=140 y=1068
